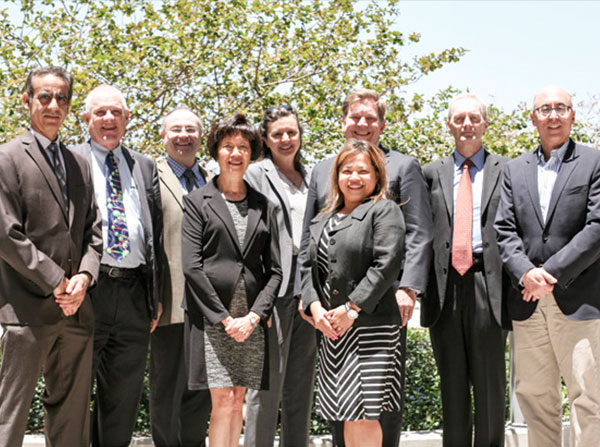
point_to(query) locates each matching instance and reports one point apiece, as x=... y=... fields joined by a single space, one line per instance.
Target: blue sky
x=516 y=47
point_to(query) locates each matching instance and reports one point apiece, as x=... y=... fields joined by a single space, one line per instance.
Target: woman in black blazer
x=354 y=258
x=231 y=264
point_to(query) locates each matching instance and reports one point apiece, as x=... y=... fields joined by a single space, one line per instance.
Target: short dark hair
x=235 y=124
x=271 y=115
x=50 y=70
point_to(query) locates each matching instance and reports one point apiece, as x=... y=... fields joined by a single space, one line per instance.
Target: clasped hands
x=240 y=328
x=537 y=283
x=332 y=323
x=70 y=293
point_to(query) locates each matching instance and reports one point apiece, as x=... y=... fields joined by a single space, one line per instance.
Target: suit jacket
x=407 y=186
x=213 y=259
x=263 y=177
x=365 y=255
x=40 y=242
x=171 y=195
x=567 y=245
x=440 y=179
x=143 y=170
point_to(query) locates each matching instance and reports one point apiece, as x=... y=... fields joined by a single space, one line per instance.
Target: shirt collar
x=179 y=168
x=478 y=159
x=554 y=153
x=100 y=152
x=45 y=142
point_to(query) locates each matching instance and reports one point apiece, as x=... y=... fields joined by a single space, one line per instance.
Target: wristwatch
x=351 y=313
x=254 y=320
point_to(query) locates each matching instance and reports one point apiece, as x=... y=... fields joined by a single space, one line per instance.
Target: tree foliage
x=216 y=57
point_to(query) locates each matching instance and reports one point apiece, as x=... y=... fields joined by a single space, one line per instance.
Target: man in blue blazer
x=548 y=226
x=363 y=118
x=126 y=298
x=462 y=305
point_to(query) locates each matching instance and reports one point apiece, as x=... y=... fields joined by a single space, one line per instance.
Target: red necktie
x=462 y=234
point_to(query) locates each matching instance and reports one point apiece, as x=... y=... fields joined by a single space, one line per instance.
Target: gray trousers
x=291 y=381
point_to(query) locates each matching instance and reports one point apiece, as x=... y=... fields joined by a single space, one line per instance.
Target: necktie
x=59 y=171
x=190 y=180
x=462 y=234
x=118 y=237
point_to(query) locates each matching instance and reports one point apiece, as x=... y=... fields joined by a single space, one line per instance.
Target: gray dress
x=229 y=363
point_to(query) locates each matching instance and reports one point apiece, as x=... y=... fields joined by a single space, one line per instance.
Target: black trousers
x=391 y=422
x=179 y=416
x=469 y=346
x=121 y=338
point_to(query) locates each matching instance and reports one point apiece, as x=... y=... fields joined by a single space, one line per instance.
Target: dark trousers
x=391 y=422
x=121 y=341
x=179 y=416
x=63 y=351
x=469 y=347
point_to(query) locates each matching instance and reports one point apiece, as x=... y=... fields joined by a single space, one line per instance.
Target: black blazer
x=407 y=186
x=365 y=254
x=213 y=259
x=440 y=179
x=567 y=245
x=145 y=175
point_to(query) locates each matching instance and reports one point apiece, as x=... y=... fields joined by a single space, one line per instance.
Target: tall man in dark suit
x=462 y=305
x=363 y=117
x=50 y=244
x=126 y=299
x=178 y=415
x=548 y=226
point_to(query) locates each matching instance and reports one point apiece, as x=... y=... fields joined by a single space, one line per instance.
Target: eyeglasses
x=561 y=110
x=45 y=98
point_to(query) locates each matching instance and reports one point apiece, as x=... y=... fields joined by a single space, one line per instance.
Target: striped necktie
x=59 y=171
x=118 y=236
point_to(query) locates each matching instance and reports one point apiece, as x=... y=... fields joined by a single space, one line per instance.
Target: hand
x=406 y=298
x=74 y=293
x=307 y=318
x=321 y=321
x=270 y=322
x=339 y=320
x=538 y=283
x=241 y=328
x=154 y=323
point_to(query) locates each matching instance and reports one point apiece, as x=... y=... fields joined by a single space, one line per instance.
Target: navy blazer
x=365 y=256
x=213 y=259
x=567 y=245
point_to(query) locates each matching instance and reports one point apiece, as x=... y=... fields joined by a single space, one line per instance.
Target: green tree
x=216 y=57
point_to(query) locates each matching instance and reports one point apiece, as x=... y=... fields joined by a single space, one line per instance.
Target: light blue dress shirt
x=547 y=172
x=476 y=172
x=131 y=201
x=179 y=169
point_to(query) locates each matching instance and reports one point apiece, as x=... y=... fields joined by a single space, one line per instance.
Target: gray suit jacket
x=365 y=255
x=263 y=177
x=143 y=170
x=440 y=179
x=40 y=243
x=171 y=195
x=567 y=245
x=407 y=186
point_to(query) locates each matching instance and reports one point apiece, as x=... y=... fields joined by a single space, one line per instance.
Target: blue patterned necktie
x=59 y=171
x=118 y=237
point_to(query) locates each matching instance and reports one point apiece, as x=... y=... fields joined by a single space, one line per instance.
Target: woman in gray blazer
x=283 y=179
x=354 y=257
x=230 y=256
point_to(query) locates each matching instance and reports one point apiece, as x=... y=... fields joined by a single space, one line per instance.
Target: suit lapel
x=217 y=203
x=73 y=178
x=255 y=208
x=170 y=181
x=531 y=178
x=276 y=182
x=491 y=175
x=446 y=178
x=35 y=152
x=568 y=165
x=138 y=178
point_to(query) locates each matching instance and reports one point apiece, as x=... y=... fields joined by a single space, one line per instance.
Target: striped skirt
x=359 y=375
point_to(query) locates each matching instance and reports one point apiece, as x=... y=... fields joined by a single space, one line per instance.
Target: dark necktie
x=462 y=234
x=59 y=171
x=190 y=180
x=118 y=237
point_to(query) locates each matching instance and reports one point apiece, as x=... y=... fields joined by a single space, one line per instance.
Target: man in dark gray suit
x=363 y=117
x=126 y=299
x=50 y=244
x=462 y=305
x=548 y=226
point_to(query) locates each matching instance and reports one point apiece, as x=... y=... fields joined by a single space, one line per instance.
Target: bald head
x=106 y=116
x=553 y=116
x=553 y=90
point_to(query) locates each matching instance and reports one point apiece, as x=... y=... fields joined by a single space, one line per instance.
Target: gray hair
x=482 y=106
x=88 y=98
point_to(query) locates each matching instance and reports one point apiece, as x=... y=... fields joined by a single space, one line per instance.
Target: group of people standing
x=227 y=276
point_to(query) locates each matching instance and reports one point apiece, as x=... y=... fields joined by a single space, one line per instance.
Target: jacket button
x=335 y=292
x=332 y=242
x=545 y=237
x=240 y=263
x=447 y=244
